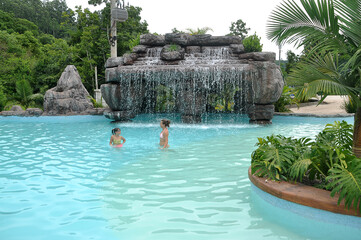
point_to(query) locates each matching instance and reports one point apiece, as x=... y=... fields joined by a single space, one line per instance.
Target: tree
x=330 y=30
x=292 y=60
x=238 y=28
x=252 y=43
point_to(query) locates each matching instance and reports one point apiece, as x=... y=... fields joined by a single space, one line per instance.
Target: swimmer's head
x=115 y=130
x=165 y=122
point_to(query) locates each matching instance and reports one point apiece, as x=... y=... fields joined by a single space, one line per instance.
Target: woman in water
x=164 y=124
x=116 y=139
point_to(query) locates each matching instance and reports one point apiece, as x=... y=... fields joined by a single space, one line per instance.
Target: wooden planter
x=302 y=194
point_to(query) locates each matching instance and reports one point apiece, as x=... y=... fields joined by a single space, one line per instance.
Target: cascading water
x=207 y=77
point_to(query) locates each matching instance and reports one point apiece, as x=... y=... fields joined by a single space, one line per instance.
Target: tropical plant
x=330 y=33
x=95 y=103
x=24 y=94
x=349 y=107
x=252 y=43
x=173 y=47
x=175 y=30
x=345 y=179
x=3 y=100
x=239 y=28
x=199 y=31
x=327 y=161
x=284 y=100
x=165 y=101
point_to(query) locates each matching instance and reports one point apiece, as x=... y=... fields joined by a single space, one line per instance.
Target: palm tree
x=330 y=32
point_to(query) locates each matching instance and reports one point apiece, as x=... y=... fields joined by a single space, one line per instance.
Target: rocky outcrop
x=172 y=53
x=69 y=97
x=259 y=56
x=200 y=40
x=192 y=67
x=16 y=110
x=114 y=62
x=152 y=40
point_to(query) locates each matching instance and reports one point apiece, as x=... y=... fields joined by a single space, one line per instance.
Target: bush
x=3 y=100
x=328 y=160
x=285 y=99
x=349 y=107
x=252 y=43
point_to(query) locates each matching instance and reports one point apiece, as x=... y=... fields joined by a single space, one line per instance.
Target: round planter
x=302 y=194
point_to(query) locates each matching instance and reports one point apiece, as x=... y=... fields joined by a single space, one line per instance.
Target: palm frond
x=349 y=12
x=345 y=179
x=290 y=23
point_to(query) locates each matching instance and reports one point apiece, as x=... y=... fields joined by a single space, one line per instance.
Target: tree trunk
x=357 y=133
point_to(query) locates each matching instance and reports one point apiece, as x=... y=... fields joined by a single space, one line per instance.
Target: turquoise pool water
x=59 y=179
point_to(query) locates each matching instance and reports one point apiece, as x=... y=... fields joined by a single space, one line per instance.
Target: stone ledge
x=314 y=114
x=302 y=194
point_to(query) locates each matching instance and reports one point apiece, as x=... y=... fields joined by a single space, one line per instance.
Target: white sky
x=163 y=15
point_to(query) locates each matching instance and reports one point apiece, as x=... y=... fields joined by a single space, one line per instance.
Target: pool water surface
x=59 y=179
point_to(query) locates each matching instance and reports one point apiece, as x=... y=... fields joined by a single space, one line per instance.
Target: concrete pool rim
x=302 y=194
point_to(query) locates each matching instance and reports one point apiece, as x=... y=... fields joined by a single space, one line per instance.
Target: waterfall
x=194 y=79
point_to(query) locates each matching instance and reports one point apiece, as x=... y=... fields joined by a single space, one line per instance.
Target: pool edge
x=302 y=194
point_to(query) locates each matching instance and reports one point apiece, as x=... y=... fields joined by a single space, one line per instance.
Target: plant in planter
x=327 y=162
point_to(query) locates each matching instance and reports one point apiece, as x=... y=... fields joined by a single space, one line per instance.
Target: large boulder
x=184 y=39
x=152 y=40
x=259 y=56
x=267 y=83
x=114 y=62
x=172 y=53
x=69 y=97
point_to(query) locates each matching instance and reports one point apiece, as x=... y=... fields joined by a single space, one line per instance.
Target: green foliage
x=349 y=106
x=175 y=30
x=95 y=103
x=11 y=24
x=165 y=101
x=284 y=100
x=252 y=43
x=292 y=60
x=223 y=101
x=328 y=159
x=130 y=30
x=3 y=100
x=330 y=33
x=173 y=47
x=46 y=15
x=23 y=92
x=239 y=28
x=198 y=31
x=31 y=48
x=345 y=179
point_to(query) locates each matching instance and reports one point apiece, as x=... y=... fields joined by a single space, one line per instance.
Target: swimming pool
x=59 y=179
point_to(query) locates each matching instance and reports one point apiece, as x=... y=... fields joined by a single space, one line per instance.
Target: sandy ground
x=332 y=105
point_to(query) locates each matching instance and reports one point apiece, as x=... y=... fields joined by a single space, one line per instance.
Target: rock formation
x=69 y=97
x=194 y=67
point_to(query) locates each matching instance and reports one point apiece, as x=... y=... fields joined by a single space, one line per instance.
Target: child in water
x=116 y=139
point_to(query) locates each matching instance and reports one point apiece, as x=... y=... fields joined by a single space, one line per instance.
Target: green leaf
x=346 y=181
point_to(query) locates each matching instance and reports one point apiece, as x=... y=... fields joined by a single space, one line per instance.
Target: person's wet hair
x=115 y=130
x=165 y=122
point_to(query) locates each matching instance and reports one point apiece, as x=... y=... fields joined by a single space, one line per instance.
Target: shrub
x=349 y=107
x=252 y=43
x=328 y=159
x=284 y=100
